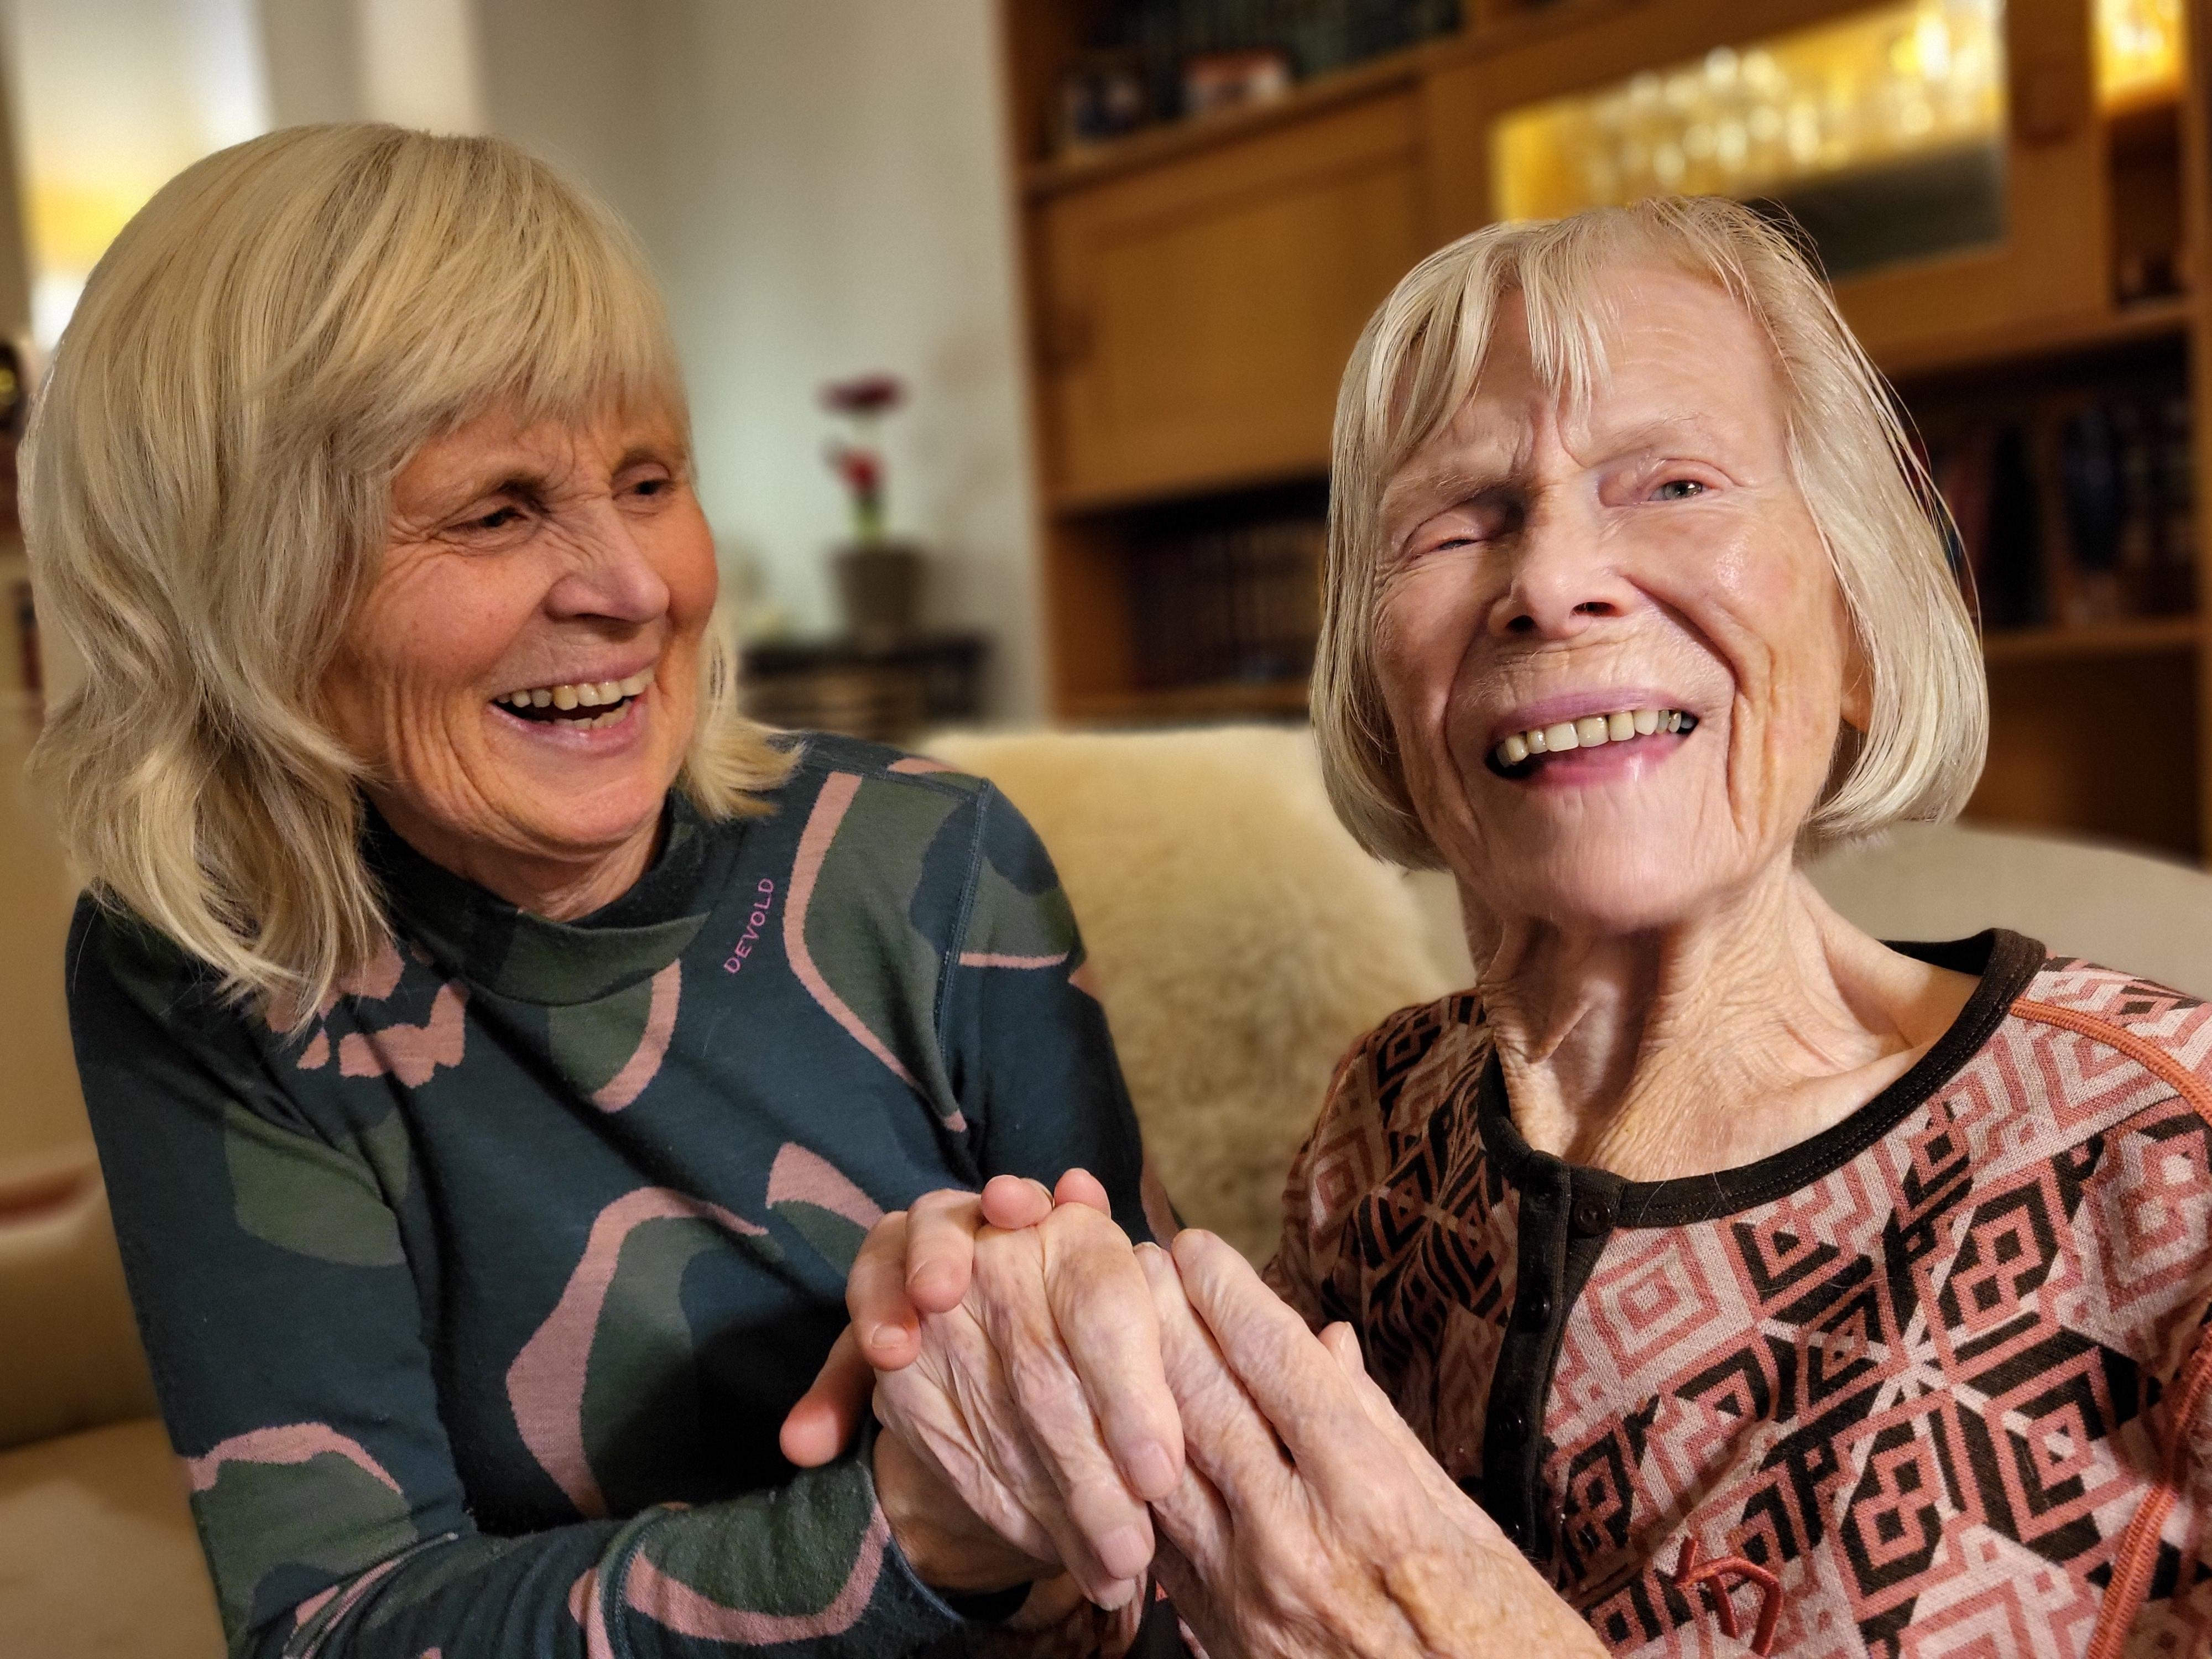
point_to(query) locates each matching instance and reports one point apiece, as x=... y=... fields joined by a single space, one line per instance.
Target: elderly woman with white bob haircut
x=498 y=1046
x=1709 y=1277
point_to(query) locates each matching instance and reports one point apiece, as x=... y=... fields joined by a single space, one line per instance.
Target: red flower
x=869 y=394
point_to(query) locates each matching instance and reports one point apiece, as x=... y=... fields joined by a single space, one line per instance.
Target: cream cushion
x=2141 y=914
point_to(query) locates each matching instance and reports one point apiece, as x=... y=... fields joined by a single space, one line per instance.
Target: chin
x=1605 y=893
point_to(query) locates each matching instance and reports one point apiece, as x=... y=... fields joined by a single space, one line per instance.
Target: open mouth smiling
x=576 y=704
x=1523 y=754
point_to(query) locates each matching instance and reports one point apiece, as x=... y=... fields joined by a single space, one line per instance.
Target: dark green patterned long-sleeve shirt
x=475 y=1307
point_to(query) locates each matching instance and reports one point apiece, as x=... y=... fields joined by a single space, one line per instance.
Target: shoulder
x=2144 y=1036
x=112 y=952
x=2110 y=1077
x=1401 y=1070
x=876 y=826
x=819 y=756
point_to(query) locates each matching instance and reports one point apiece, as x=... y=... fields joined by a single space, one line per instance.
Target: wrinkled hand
x=1311 y=1524
x=1021 y=1362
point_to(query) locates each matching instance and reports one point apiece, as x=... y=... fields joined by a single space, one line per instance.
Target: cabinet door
x=1946 y=149
x=1198 y=315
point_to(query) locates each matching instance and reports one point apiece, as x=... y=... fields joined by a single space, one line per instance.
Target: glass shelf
x=2138 y=52
x=1882 y=133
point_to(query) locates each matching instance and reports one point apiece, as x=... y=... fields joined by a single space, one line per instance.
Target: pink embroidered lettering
x=763 y=901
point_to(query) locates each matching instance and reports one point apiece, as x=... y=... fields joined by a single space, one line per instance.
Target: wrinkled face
x=522 y=675
x=1560 y=590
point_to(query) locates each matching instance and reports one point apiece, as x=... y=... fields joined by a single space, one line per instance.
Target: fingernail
x=1154 y=1469
x=890 y=1336
x=1125 y=1552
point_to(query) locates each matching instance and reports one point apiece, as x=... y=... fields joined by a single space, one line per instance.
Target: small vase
x=879 y=590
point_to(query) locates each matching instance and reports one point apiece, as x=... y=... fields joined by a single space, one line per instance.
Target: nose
x=1564 y=579
x=611 y=576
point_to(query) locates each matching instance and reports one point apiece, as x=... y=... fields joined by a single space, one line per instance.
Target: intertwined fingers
x=1300 y=1388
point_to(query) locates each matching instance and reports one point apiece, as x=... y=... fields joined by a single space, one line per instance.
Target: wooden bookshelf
x=1194 y=289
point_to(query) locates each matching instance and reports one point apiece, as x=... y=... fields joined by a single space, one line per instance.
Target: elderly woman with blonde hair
x=497 y=1045
x=1709 y=1277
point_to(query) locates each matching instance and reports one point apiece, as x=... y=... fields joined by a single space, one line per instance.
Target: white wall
x=822 y=185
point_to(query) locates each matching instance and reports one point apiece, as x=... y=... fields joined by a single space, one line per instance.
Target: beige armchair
x=97 y=1552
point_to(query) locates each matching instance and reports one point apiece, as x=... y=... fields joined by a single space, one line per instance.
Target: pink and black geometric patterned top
x=1936 y=1381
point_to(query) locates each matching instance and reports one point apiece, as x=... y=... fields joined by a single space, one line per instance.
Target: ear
x=1857 y=705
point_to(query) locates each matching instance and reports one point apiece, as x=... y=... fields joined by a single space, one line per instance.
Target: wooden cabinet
x=1196 y=315
x=2047 y=260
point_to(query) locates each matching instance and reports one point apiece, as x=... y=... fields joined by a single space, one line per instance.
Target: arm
x=282 y=1320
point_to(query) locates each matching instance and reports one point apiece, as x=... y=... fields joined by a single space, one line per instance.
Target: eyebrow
x=1454 y=481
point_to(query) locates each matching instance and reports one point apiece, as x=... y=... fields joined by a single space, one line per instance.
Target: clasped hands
x=1056 y=1401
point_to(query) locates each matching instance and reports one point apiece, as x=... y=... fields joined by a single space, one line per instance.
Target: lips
x=1521 y=754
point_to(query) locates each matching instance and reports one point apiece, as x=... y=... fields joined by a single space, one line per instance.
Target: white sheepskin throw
x=1240 y=939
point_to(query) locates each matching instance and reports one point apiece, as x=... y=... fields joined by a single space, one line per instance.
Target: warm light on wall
x=111 y=98
x=2138 y=51
x=1876 y=88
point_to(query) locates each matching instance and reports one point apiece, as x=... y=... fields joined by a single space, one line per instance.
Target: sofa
x=1240 y=940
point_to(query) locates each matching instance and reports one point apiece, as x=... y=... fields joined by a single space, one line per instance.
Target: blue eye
x=1679 y=490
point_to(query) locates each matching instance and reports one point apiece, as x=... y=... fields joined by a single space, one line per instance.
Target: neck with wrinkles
x=1707 y=1044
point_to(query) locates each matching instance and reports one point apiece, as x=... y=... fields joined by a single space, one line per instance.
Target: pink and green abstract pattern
x=474 y=1304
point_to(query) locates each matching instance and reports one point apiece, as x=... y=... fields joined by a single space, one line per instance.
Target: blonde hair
x=206 y=484
x=1867 y=491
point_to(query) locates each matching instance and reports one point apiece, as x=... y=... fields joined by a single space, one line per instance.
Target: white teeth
x=583 y=694
x=1590 y=731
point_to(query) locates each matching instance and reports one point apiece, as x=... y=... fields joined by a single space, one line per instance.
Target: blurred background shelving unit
x=2011 y=197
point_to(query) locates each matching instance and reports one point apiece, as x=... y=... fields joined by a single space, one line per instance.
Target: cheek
x=682 y=553
x=1425 y=619
x=428 y=627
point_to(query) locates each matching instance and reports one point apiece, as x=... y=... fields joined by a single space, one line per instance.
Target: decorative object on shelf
x=890 y=694
x=1215 y=81
x=2138 y=51
x=1186 y=58
x=1103 y=94
x=878 y=580
x=1882 y=132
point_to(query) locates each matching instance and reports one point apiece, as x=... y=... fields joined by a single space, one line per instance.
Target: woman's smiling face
x=1599 y=571
x=522 y=675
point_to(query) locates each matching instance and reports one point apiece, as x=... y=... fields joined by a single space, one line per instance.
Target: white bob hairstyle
x=1868 y=494
x=207 y=485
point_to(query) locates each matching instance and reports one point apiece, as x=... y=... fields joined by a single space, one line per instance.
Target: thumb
x=829 y=1414
x=1081 y=1186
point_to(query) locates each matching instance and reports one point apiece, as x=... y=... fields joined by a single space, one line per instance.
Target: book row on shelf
x=2071 y=508
x=1149 y=61
x=1234 y=604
